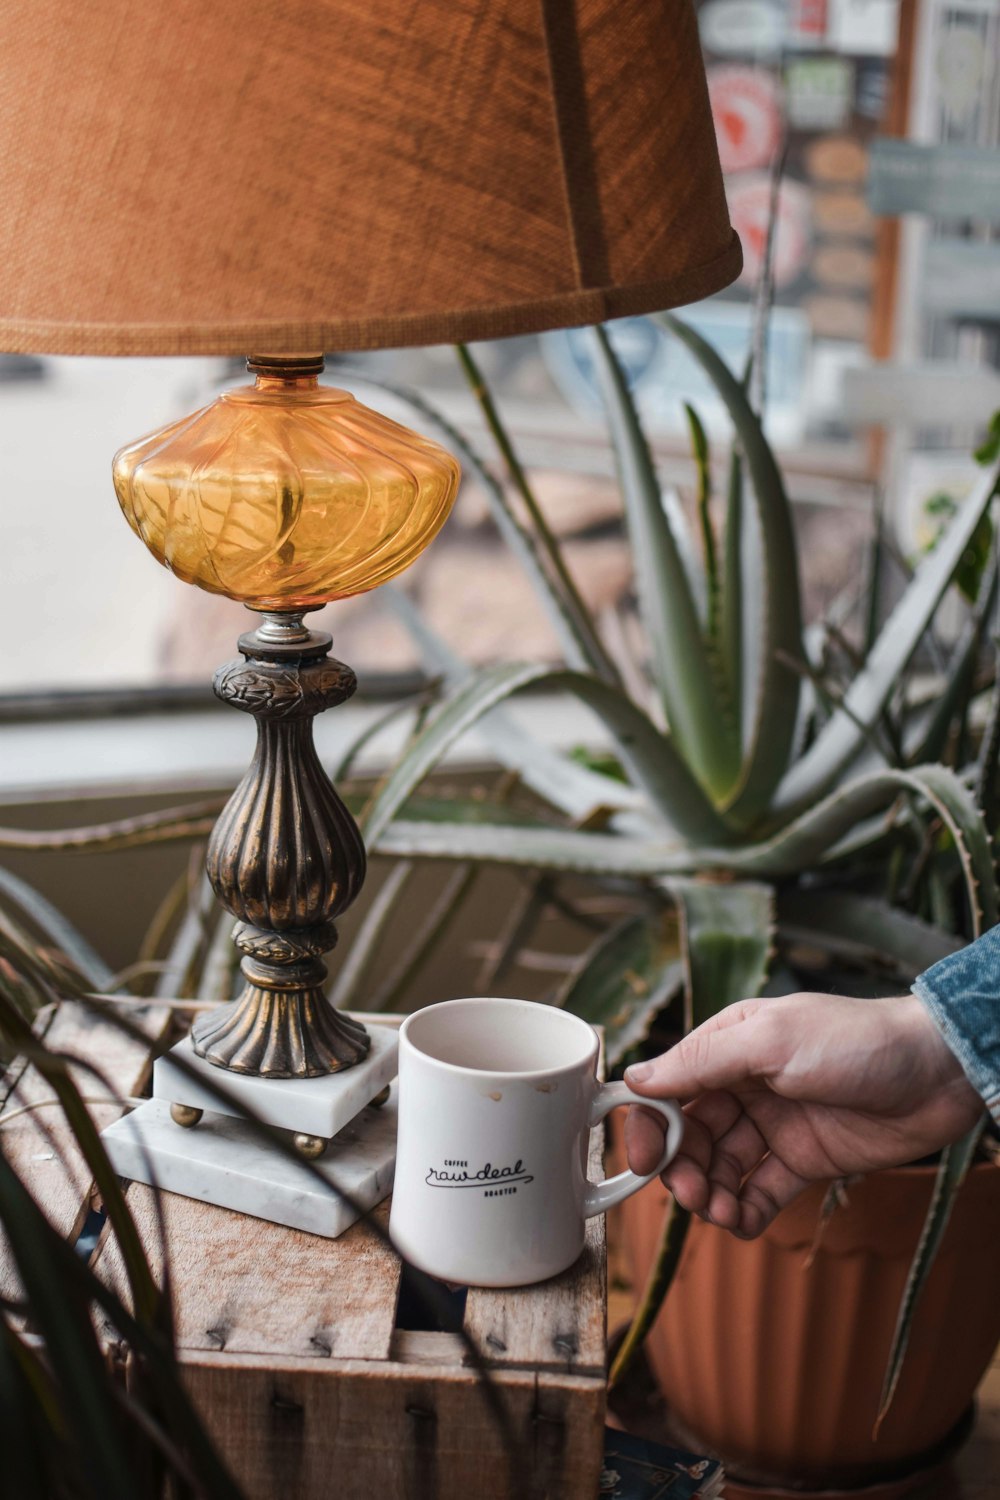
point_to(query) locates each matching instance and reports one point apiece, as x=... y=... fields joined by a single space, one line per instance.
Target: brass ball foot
x=380 y=1098
x=186 y=1115
x=310 y=1146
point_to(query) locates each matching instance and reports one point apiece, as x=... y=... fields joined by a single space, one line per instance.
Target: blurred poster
x=816 y=90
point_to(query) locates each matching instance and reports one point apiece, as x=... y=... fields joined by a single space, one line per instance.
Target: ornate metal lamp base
x=280 y=1032
x=286 y=858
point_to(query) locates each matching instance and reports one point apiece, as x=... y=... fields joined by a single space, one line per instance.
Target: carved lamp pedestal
x=285 y=494
x=286 y=858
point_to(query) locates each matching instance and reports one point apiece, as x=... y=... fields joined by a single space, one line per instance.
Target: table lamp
x=277 y=181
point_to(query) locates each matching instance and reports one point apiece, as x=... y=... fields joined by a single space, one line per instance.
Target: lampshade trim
x=565 y=310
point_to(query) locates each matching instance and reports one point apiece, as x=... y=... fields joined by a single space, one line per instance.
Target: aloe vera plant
x=768 y=780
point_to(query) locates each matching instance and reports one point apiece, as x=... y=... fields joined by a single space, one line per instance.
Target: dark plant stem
x=665 y=1262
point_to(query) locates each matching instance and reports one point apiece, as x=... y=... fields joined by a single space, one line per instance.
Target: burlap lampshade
x=220 y=176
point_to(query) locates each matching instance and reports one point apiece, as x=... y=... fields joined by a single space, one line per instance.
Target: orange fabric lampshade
x=224 y=176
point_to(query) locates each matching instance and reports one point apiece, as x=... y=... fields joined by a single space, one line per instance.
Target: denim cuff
x=962 y=993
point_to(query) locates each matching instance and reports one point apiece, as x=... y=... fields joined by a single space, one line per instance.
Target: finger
x=736 y=1152
x=644 y=1134
x=737 y=1147
x=769 y=1188
x=688 y=1182
x=716 y=1055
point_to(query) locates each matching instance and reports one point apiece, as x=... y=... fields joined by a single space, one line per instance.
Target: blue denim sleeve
x=962 y=993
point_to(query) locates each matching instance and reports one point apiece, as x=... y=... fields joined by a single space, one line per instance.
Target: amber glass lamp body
x=285 y=494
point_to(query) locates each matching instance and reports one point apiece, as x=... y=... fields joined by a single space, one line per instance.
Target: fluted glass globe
x=285 y=494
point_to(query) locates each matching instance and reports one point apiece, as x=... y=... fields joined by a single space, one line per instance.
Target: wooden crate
x=291 y=1348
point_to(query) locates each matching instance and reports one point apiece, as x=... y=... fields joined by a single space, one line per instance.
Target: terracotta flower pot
x=777 y=1365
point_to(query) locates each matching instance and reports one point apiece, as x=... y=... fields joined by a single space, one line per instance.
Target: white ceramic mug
x=496 y=1102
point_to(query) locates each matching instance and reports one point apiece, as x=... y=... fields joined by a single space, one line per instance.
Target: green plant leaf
x=50 y=921
x=600 y=661
x=628 y=975
x=805 y=842
x=731 y=596
x=556 y=849
x=679 y=659
x=576 y=790
x=953 y=701
x=580 y=645
x=727 y=928
x=169 y=825
x=862 y=929
x=839 y=741
x=703 y=464
x=648 y=754
x=955 y=1163
x=769 y=731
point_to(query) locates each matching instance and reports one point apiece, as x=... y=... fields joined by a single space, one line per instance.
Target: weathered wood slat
x=250 y=1287
x=412 y=1432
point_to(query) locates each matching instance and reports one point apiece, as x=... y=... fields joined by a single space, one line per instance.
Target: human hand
x=784 y=1092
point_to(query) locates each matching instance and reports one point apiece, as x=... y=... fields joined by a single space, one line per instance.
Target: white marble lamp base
x=224 y=1161
x=310 y=1106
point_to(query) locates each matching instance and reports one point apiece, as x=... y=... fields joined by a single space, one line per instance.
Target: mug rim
x=509 y=1074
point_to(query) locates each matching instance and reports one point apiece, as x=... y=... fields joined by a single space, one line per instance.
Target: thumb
x=716 y=1055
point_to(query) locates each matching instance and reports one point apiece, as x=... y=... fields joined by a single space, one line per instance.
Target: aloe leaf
x=50 y=921
x=432 y=928
x=677 y=520
x=804 y=843
x=678 y=656
x=555 y=849
x=842 y=737
x=703 y=465
x=863 y=929
x=578 y=640
x=649 y=754
x=625 y=979
x=801 y=846
x=955 y=1163
x=604 y=665
x=345 y=765
x=169 y=825
x=366 y=941
x=576 y=790
x=727 y=929
x=958 y=684
x=731 y=590
x=770 y=729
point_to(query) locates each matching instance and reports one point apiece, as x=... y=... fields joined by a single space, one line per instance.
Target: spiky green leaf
x=775 y=621
x=679 y=659
x=727 y=930
x=648 y=754
x=840 y=740
x=628 y=975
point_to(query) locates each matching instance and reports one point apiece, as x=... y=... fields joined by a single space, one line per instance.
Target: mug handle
x=601 y=1196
